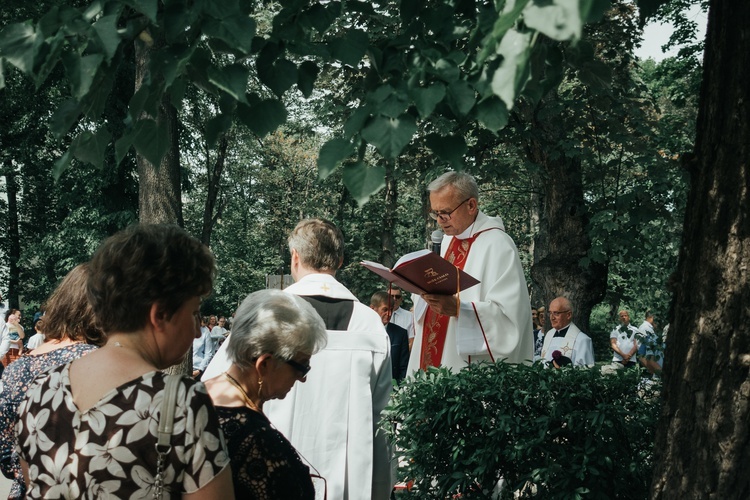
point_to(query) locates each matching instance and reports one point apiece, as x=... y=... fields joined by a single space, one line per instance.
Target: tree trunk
x=563 y=239
x=702 y=444
x=159 y=189
x=390 y=210
x=210 y=212
x=14 y=243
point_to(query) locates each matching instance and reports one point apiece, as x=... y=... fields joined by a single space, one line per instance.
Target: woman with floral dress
x=71 y=334
x=88 y=429
x=273 y=336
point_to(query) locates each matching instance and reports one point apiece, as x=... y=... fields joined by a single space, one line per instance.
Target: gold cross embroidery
x=324 y=287
x=565 y=349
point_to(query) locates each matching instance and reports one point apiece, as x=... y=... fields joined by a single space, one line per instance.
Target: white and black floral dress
x=108 y=451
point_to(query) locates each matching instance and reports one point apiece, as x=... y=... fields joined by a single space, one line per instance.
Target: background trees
x=394 y=94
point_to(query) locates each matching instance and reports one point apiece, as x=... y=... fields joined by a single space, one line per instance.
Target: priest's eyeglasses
x=446 y=216
x=302 y=369
x=554 y=314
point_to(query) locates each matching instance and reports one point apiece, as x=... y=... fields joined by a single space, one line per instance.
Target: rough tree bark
x=563 y=240
x=703 y=445
x=159 y=189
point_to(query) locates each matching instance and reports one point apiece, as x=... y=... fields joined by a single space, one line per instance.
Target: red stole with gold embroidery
x=435 y=326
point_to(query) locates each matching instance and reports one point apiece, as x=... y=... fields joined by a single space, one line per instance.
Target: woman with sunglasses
x=274 y=334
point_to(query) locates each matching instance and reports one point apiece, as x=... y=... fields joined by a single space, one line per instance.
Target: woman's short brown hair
x=143 y=265
x=68 y=313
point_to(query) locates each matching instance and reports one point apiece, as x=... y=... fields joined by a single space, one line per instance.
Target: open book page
x=424 y=272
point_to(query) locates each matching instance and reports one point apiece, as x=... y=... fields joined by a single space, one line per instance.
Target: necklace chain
x=245 y=396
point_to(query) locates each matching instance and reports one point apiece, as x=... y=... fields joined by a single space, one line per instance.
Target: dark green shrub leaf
x=362 y=181
x=331 y=154
x=390 y=135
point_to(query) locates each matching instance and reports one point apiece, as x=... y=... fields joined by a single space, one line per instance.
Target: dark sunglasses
x=303 y=369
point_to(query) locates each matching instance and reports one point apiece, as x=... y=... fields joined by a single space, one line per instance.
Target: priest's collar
x=562 y=332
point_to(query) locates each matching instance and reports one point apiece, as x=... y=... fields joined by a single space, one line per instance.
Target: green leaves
x=390 y=135
x=362 y=181
x=231 y=79
x=350 y=48
x=449 y=148
x=560 y=20
x=511 y=76
x=263 y=117
x=17 y=45
x=332 y=153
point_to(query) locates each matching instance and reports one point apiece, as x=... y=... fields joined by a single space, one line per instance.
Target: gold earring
x=260 y=387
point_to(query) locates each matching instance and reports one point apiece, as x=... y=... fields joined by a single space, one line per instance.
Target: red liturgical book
x=424 y=271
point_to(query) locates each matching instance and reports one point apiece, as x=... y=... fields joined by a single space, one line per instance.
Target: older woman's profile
x=273 y=337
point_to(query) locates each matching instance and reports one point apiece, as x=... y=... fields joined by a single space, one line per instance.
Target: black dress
x=265 y=465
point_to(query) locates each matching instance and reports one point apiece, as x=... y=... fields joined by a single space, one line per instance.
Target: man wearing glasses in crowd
x=564 y=336
x=490 y=321
x=401 y=316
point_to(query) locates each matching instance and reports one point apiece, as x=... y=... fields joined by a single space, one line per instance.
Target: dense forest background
x=622 y=127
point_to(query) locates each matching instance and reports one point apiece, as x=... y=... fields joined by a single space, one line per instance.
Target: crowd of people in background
x=88 y=411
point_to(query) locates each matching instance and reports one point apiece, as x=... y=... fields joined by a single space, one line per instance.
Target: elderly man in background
x=566 y=337
x=333 y=419
x=490 y=321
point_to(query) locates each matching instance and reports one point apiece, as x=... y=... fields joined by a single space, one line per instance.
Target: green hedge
x=548 y=433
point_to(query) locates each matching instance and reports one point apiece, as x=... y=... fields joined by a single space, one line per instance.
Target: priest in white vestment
x=566 y=337
x=333 y=419
x=490 y=321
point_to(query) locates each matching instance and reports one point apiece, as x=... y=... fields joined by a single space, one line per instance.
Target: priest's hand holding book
x=427 y=274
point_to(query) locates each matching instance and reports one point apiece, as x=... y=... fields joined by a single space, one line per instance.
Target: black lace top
x=265 y=465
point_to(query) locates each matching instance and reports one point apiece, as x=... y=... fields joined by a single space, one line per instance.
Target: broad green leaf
x=62 y=164
x=231 y=79
x=106 y=30
x=449 y=148
x=447 y=70
x=505 y=21
x=593 y=10
x=356 y=121
x=94 y=103
x=559 y=20
x=320 y=17
x=215 y=127
x=350 y=48
x=512 y=74
x=306 y=75
x=331 y=154
x=146 y=7
x=151 y=140
x=263 y=117
x=90 y=147
x=80 y=72
x=64 y=117
x=596 y=74
x=218 y=9
x=390 y=135
x=18 y=46
x=177 y=19
x=172 y=62
x=279 y=77
x=236 y=32
x=122 y=145
x=492 y=113
x=362 y=181
x=427 y=98
x=461 y=97
x=51 y=58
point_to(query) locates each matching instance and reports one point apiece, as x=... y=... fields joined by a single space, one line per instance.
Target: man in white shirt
x=333 y=420
x=650 y=350
x=565 y=336
x=490 y=321
x=623 y=340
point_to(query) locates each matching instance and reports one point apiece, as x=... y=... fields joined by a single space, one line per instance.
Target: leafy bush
x=548 y=433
